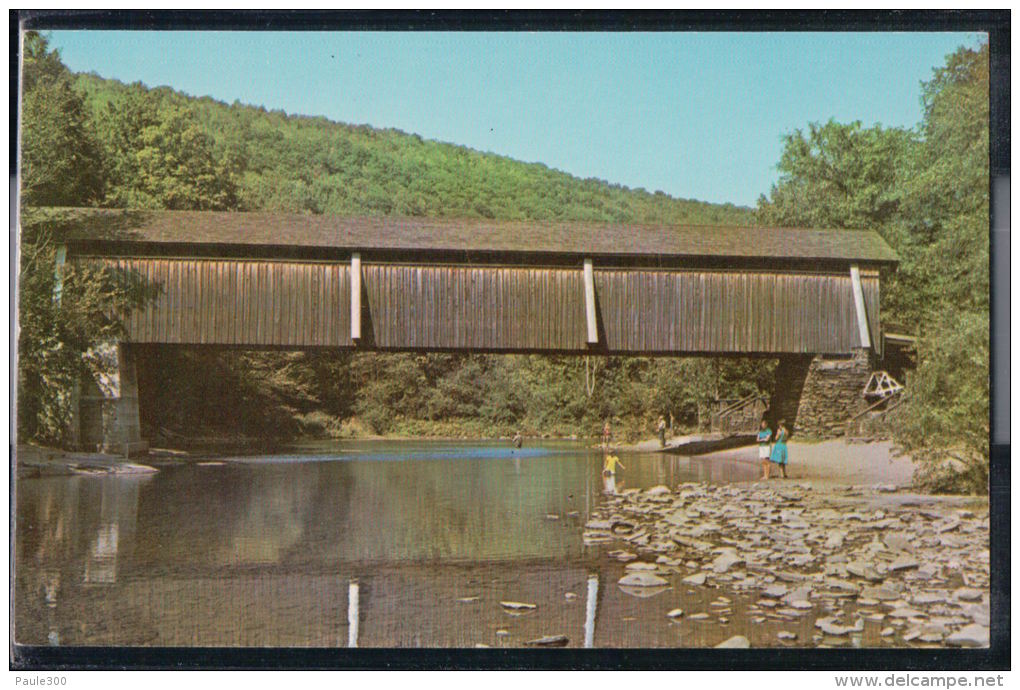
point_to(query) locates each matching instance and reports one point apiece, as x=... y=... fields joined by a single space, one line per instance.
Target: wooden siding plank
x=295 y=304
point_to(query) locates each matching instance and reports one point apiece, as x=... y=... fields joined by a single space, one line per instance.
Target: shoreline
x=828 y=463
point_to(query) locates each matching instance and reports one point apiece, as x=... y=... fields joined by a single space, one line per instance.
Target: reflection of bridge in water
x=258 y=280
x=277 y=546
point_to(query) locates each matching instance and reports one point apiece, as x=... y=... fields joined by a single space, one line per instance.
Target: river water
x=338 y=544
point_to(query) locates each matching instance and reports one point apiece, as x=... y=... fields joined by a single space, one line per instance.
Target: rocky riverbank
x=39 y=461
x=846 y=556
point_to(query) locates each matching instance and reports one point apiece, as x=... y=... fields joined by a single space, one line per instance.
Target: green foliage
x=160 y=157
x=926 y=191
x=837 y=176
x=60 y=159
x=273 y=162
x=54 y=334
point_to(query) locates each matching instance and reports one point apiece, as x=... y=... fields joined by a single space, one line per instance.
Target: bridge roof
x=264 y=233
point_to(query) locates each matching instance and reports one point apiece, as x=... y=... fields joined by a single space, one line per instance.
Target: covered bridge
x=270 y=280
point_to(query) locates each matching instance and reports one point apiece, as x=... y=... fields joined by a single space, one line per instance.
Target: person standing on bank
x=662 y=432
x=764 y=447
x=779 y=449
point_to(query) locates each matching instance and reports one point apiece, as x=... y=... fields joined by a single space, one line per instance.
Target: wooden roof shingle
x=265 y=231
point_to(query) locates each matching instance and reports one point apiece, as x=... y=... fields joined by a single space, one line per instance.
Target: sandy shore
x=826 y=461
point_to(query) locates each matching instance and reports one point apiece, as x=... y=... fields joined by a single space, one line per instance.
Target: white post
x=862 y=316
x=355 y=296
x=589 y=301
x=589 y=611
x=352 y=614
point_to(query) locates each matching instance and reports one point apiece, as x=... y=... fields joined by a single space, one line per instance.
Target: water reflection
x=590 y=606
x=353 y=613
x=304 y=551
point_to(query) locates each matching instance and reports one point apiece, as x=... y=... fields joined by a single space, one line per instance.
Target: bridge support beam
x=108 y=417
x=589 y=302
x=816 y=395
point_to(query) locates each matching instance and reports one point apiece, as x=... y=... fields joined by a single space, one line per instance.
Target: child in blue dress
x=779 y=449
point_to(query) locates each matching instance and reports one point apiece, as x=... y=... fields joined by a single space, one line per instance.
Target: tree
x=162 y=158
x=837 y=176
x=60 y=158
x=54 y=334
x=926 y=192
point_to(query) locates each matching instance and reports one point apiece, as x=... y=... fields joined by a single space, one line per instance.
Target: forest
x=89 y=141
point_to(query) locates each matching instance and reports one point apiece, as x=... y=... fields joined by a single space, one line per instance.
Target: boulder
x=735 y=642
x=642 y=578
x=697 y=579
x=973 y=635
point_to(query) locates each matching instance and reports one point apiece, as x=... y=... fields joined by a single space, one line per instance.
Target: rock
x=467 y=600
x=886 y=632
x=835 y=539
x=903 y=563
x=725 y=561
x=979 y=613
x=863 y=570
x=801 y=593
x=905 y=613
x=549 y=641
x=897 y=542
x=801 y=604
x=599 y=525
x=642 y=579
x=948 y=526
x=884 y=593
x=735 y=642
x=641 y=565
x=697 y=579
x=973 y=635
x=698 y=616
x=517 y=606
x=481 y=645
x=775 y=591
x=570 y=596
x=829 y=626
x=552 y=516
x=968 y=594
x=644 y=592
x=623 y=556
x=502 y=633
x=786 y=635
x=659 y=490
x=675 y=613
x=926 y=598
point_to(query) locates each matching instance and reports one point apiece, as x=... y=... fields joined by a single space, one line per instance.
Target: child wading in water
x=764 y=447
x=609 y=467
x=779 y=449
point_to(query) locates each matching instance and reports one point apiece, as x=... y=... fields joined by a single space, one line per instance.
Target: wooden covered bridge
x=264 y=280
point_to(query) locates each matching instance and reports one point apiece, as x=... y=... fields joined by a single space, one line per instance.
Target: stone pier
x=817 y=394
x=108 y=405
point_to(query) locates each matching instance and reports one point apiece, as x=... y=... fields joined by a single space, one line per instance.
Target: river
x=368 y=543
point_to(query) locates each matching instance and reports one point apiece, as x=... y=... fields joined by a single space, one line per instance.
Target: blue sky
x=696 y=115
